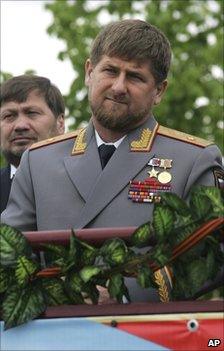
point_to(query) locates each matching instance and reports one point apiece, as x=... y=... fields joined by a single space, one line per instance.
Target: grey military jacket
x=60 y=183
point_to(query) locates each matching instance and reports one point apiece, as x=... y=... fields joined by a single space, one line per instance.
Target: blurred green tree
x=4 y=76
x=194 y=100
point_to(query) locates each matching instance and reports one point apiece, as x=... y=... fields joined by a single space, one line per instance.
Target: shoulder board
x=187 y=138
x=55 y=139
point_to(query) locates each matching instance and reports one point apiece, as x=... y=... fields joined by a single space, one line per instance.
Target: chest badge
x=164 y=176
x=159 y=180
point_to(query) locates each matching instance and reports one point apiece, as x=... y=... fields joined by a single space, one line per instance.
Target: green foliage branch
x=72 y=274
x=195 y=31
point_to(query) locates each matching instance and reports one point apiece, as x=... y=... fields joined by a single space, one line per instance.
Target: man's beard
x=13 y=157
x=116 y=121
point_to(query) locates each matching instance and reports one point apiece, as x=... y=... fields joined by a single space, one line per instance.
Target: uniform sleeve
x=206 y=170
x=20 y=211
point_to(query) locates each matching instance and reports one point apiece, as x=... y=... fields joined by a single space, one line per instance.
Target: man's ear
x=61 y=124
x=88 y=71
x=160 y=90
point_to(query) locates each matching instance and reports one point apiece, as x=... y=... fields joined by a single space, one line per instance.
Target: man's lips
x=22 y=139
x=124 y=102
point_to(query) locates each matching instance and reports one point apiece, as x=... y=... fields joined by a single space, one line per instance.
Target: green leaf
x=196 y=274
x=144 y=277
x=22 y=305
x=114 y=251
x=88 y=272
x=141 y=236
x=117 y=288
x=4 y=280
x=80 y=252
x=13 y=245
x=115 y=285
x=181 y=287
x=25 y=269
x=60 y=262
x=75 y=282
x=57 y=250
x=199 y=205
x=161 y=254
x=92 y=292
x=74 y=249
x=211 y=265
x=75 y=298
x=77 y=288
x=163 y=222
x=214 y=195
x=185 y=231
x=55 y=255
x=88 y=256
x=175 y=203
x=74 y=286
x=54 y=291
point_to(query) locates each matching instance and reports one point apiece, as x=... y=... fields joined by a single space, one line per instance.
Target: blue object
x=70 y=334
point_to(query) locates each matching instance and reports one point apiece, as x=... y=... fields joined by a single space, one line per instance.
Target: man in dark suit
x=5 y=186
x=32 y=109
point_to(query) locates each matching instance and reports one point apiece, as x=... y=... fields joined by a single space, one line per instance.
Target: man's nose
x=119 y=85
x=22 y=123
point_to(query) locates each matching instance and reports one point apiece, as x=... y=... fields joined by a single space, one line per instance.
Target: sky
x=26 y=45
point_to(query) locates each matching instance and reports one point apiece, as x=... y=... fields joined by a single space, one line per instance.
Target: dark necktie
x=105 y=152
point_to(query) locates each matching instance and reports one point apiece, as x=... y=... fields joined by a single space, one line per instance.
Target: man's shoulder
x=56 y=139
x=183 y=137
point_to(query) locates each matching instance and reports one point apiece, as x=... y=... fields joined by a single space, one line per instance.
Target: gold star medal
x=153 y=173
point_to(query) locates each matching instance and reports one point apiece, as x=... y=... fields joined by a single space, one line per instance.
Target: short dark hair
x=18 y=88
x=134 y=40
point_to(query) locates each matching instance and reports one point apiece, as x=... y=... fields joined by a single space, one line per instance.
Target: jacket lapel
x=84 y=169
x=123 y=166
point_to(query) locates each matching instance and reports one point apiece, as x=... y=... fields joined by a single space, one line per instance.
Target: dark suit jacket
x=5 y=186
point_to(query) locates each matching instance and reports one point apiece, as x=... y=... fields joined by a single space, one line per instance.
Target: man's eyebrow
x=134 y=70
x=110 y=65
x=3 y=113
x=9 y=109
x=31 y=107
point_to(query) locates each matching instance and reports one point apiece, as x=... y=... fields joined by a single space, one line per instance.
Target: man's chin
x=117 y=123
x=18 y=151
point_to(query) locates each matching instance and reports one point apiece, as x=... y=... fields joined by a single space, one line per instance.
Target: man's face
x=121 y=93
x=25 y=123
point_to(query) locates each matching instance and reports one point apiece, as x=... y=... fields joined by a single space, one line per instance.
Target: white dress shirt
x=99 y=141
x=12 y=171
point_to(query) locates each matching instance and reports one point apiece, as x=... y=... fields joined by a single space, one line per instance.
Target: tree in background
x=4 y=76
x=193 y=102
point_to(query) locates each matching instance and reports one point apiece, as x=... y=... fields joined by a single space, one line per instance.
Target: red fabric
x=176 y=335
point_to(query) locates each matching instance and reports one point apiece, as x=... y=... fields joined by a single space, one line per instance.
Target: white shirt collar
x=12 y=171
x=99 y=141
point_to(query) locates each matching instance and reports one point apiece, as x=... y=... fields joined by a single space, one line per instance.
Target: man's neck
x=12 y=159
x=107 y=135
x=110 y=136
